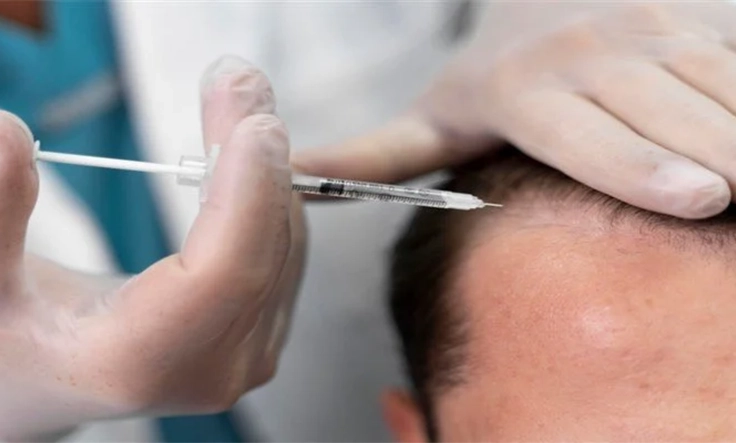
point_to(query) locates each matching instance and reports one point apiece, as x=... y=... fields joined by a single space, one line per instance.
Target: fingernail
x=691 y=191
x=18 y=122
x=228 y=64
x=241 y=79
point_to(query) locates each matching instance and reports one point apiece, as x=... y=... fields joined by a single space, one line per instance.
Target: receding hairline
x=531 y=193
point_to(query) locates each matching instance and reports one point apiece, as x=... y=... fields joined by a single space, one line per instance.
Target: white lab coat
x=338 y=68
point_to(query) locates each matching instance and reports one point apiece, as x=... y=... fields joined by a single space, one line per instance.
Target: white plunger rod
x=114 y=163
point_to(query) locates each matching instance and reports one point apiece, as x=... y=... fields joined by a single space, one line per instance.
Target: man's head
x=566 y=315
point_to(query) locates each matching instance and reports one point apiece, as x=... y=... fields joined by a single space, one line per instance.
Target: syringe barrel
x=196 y=171
x=382 y=192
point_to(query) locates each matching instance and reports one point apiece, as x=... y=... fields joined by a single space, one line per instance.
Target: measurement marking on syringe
x=194 y=170
x=434 y=203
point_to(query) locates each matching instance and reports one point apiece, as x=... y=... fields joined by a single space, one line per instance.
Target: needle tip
x=492 y=205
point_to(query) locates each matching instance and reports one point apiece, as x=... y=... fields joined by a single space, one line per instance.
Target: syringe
x=193 y=170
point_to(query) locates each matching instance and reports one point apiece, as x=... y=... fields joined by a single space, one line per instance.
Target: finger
x=262 y=340
x=250 y=184
x=232 y=89
x=231 y=259
x=403 y=149
x=670 y=113
x=446 y=127
x=288 y=284
x=18 y=191
x=706 y=66
x=240 y=237
x=657 y=19
x=284 y=290
x=575 y=136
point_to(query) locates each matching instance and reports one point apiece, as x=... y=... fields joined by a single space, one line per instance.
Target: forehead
x=561 y=315
x=544 y=278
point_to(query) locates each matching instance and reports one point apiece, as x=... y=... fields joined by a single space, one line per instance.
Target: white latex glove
x=193 y=332
x=635 y=101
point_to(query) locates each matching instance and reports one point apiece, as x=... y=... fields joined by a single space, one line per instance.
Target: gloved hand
x=193 y=332
x=637 y=102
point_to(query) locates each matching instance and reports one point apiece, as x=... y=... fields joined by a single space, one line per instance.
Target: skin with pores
x=661 y=140
x=578 y=331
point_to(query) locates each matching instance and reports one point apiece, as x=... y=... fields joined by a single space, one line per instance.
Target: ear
x=403 y=416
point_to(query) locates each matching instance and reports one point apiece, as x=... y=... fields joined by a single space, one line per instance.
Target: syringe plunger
x=195 y=171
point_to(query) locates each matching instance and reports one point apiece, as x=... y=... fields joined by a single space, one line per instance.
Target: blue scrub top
x=64 y=83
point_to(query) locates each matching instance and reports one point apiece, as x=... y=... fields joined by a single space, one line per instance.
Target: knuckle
x=605 y=75
x=547 y=60
x=651 y=18
x=695 y=56
x=577 y=38
x=508 y=73
x=652 y=13
x=619 y=79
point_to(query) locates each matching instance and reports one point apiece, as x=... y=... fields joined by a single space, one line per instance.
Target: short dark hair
x=429 y=321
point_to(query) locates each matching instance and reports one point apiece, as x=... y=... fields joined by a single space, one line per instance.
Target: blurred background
x=121 y=79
